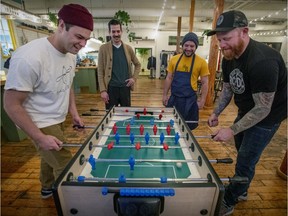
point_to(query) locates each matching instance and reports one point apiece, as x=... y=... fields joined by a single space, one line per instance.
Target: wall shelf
x=34 y=30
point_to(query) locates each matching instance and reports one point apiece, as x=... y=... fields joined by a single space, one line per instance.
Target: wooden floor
x=20 y=163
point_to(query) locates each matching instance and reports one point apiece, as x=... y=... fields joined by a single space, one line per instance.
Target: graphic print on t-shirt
x=237 y=81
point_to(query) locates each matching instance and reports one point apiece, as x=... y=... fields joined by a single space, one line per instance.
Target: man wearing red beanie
x=38 y=93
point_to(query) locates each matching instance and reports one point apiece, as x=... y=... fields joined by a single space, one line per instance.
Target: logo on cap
x=220 y=20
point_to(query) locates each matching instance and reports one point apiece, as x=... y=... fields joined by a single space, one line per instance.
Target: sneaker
x=243 y=197
x=46 y=193
x=226 y=209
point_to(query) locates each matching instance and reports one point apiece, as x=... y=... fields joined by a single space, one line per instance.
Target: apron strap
x=192 y=64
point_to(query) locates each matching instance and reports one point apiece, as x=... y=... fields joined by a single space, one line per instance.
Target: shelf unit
x=34 y=30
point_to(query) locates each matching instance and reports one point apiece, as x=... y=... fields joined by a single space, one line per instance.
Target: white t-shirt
x=47 y=74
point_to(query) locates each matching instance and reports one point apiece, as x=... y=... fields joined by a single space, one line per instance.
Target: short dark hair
x=114 y=22
x=68 y=26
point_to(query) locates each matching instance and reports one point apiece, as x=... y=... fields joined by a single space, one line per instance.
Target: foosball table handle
x=239 y=180
x=225 y=160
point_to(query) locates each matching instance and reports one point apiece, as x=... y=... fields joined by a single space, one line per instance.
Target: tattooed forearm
x=225 y=98
x=263 y=102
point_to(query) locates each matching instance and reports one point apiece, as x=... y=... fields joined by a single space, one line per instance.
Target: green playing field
x=141 y=169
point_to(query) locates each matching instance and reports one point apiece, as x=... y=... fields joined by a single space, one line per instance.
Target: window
x=5 y=37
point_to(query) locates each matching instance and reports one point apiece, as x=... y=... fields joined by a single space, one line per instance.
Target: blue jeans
x=250 y=145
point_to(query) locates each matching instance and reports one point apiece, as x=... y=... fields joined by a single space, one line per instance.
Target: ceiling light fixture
x=160 y=18
x=269 y=16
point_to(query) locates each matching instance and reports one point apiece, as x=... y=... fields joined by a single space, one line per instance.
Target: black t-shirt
x=259 y=69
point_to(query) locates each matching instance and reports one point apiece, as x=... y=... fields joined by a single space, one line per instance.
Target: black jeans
x=118 y=96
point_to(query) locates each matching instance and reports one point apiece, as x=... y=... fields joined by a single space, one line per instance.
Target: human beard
x=185 y=53
x=234 y=52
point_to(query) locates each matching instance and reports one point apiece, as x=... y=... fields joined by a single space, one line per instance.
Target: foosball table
x=139 y=161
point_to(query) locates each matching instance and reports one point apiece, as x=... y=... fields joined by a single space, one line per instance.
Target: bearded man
x=256 y=75
x=184 y=71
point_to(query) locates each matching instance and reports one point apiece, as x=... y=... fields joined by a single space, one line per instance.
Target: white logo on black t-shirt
x=237 y=82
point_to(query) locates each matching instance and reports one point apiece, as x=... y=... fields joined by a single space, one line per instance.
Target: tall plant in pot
x=143 y=53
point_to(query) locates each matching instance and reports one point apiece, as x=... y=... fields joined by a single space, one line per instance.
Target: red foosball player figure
x=115 y=128
x=128 y=129
x=165 y=147
x=145 y=111
x=168 y=129
x=141 y=129
x=110 y=145
x=137 y=146
x=155 y=129
x=160 y=116
x=138 y=116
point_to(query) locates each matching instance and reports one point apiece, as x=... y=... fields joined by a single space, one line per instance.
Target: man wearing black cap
x=38 y=93
x=184 y=71
x=256 y=76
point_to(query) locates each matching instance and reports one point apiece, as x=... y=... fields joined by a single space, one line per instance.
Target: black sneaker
x=46 y=193
x=243 y=197
x=226 y=209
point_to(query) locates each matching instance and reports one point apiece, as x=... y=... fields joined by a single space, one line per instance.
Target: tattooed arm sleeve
x=263 y=102
x=225 y=98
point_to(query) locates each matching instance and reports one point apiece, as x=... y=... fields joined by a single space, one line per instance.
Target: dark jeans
x=118 y=96
x=250 y=145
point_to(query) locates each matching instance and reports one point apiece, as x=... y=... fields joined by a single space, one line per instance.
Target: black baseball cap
x=228 y=21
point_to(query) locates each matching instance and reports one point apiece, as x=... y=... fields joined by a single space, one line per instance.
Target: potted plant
x=132 y=36
x=143 y=53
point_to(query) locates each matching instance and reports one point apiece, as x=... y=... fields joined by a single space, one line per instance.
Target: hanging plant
x=205 y=32
x=124 y=18
x=53 y=18
x=101 y=39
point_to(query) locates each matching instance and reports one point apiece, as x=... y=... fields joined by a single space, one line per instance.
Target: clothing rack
x=164 y=59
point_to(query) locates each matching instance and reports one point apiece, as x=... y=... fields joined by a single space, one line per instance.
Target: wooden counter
x=85 y=79
x=3 y=82
x=86 y=67
x=10 y=130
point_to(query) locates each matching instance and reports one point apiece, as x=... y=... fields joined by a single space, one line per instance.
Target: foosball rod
x=156 y=136
x=152 y=136
x=138 y=120
x=235 y=179
x=140 y=115
x=131 y=110
x=225 y=160
x=118 y=127
x=127 y=115
x=127 y=146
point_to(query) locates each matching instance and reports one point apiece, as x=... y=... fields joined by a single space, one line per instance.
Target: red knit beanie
x=76 y=14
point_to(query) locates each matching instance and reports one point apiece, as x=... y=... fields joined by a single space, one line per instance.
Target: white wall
x=161 y=43
x=281 y=39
